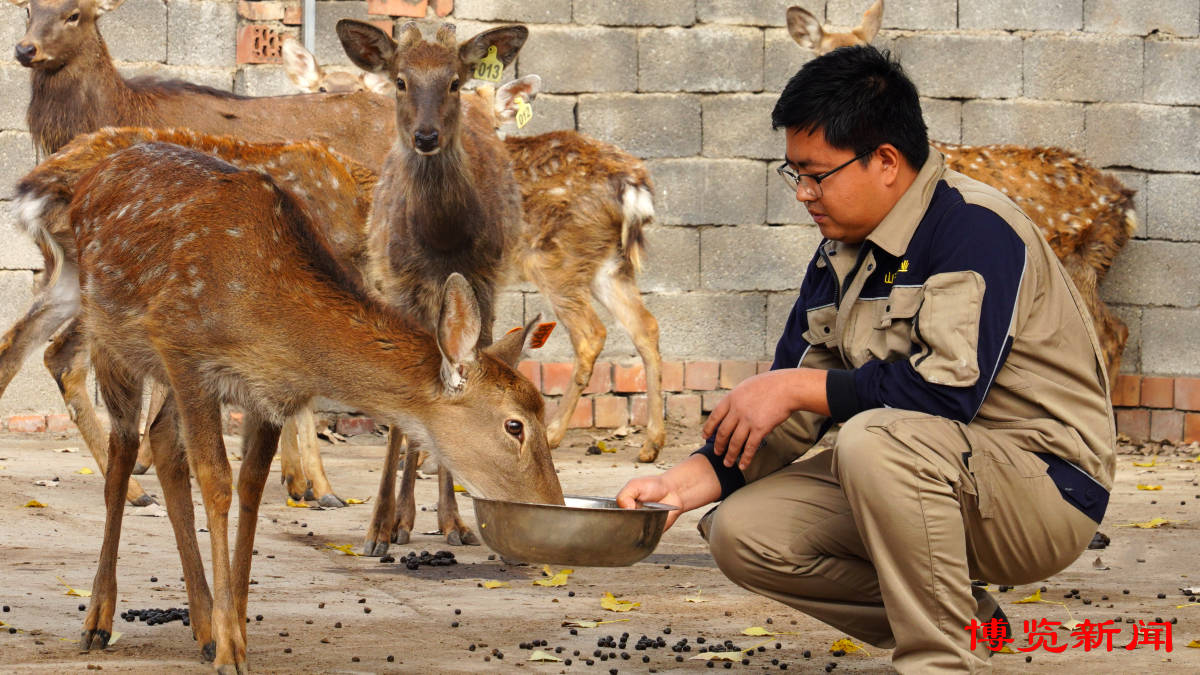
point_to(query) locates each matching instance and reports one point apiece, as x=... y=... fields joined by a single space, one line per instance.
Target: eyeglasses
x=811 y=182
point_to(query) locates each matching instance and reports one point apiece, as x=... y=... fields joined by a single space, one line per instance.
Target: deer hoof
x=464 y=537
x=143 y=500
x=374 y=549
x=209 y=652
x=331 y=501
x=401 y=535
x=139 y=469
x=95 y=639
x=649 y=453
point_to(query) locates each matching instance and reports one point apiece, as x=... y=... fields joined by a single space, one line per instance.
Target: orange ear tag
x=541 y=334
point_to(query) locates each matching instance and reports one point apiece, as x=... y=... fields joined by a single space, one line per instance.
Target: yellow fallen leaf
x=87 y=472
x=295 y=504
x=1152 y=523
x=757 y=631
x=1194 y=644
x=1071 y=625
x=1007 y=650
x=696 y=598
x=459 y=488
x=1149 y=487
x=582 y=623
x=116 y=635
x=495 y=584
x=539 y=655
x=612 y=604
x=348 y=549
x=604 y=447
x=559 y=579
x=1036 y=597
x=73 y=591
x=34 y=504
x=847 y=645
x=1194 y=460
x=1190 y=604
x=353 y=500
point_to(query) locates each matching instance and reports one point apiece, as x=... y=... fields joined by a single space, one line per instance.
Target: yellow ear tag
x=489 y=69
x=524 y=112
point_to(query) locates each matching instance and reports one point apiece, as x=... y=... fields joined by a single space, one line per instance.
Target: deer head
x=304 y=72
x=427 y=75
x=58 y=30
x=808 y=32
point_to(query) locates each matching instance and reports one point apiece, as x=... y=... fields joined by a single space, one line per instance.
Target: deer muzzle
x=426 y=142
x=25 y=53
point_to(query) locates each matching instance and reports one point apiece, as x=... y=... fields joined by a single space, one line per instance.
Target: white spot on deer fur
x=602 y=284
x=236 y=286
x=557 y=192
x=233 y=231
x=197 y=287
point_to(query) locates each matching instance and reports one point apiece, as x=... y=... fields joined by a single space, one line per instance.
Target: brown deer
x=157 y=303
x=446 y=202
x=586 y=203
x=1086 y=215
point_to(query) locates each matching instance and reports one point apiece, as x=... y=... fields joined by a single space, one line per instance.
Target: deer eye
x=400 y=86
x=74 y=17
x=454 y=85
x=515 y=429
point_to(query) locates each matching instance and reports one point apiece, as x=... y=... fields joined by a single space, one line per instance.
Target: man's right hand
x=651 y=489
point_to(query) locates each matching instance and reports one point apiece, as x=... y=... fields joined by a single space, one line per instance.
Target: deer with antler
x=156 y=303
x=1086 y=215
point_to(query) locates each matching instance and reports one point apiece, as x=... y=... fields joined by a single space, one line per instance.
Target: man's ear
x=891 y=160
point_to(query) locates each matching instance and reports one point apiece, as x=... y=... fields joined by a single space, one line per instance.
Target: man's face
x=848 y=208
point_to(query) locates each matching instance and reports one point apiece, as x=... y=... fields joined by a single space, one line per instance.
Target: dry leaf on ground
x=495 y=584
x=559 y=579
x=348 y=549
x=612 y=604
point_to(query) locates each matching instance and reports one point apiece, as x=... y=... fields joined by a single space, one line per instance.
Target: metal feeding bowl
x=587 y=531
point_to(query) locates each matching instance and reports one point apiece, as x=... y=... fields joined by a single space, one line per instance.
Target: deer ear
x=507 y=40
x=458 y=330
x=512 y=346
x=526 y=87
x=300 y=65
x=368 y=47
x=377 y=83
x=102 y=6
x=804 y=27
x=871 y=21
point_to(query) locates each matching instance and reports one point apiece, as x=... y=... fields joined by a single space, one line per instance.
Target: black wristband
x=841 y=396
x=731 y=477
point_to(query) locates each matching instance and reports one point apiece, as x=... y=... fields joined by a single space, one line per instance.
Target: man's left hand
x=752 y=409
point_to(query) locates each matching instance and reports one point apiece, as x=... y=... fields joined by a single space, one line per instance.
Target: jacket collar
x=896 y=229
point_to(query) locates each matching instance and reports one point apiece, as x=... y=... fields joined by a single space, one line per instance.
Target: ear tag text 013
x=489 y=68
x=524 y=112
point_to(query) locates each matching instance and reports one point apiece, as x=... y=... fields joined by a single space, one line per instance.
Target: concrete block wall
x=688 y=86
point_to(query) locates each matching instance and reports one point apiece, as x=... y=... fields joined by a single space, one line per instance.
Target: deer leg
x=170 y=463
x=38 y=324
x=145 y=455
x=202 y=429
x=619 y=294
x=123 y=396
x=66 y=359
x=574 y=310
x=310 y=458
x=449 y=520
x=406 y=505
x=379 y=532
x=258 y=450
x=291 y=472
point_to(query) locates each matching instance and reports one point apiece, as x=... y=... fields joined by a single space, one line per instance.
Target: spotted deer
x=75 y=88
x=586 y=204
x=1086 y=215
x=217 y=329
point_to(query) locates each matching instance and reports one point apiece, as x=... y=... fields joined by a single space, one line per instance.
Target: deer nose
x=25 y=53
x=426 y=141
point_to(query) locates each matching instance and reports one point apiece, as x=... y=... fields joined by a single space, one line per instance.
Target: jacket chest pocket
x=891 y=336
x=821 y=321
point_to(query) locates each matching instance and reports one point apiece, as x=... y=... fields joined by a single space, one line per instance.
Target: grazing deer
x=585 y=205
x=446 y=202
x=1086 y=215
x=157 y=303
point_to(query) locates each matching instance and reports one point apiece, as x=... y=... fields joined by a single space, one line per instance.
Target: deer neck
x=441 y=203
x=80 y=97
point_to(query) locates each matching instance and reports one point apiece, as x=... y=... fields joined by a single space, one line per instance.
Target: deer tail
x=637 y=210
x=32 y=209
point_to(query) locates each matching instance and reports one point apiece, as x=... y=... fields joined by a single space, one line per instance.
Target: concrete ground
x=304 y=589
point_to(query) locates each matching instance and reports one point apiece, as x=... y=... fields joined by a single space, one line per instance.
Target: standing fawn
x=585 y=205
x=1086 y=215
x=446 y=202
x=157 y=303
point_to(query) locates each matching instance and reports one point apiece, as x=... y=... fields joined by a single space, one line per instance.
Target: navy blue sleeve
x=792 y=346
x=969 y=238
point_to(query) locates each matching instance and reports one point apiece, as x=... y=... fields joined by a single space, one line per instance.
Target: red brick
x=1187 y=393
x=611 y=411
x=763 y=366
x=1158 y=392
x=258 y=44
x=1166 y=425
x=443 y=7
x=672 y=376
x=701 y=375
x=602 y=380
x=639 y=411
x=556 y=378
x=1191 y=428
x=1128 y=392
x=532 y=370
x=684 y=409
x=412 y=8
x=710 y=399
x=55 y=423
x=260 y=11
x=353 y=425
x=734 y=372
x=293 y=15
x=629 y=379
x=582 y=419
x=1134 y=423
x=27 y=424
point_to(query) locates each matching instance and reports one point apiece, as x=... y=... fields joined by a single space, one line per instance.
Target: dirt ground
x=303 y=588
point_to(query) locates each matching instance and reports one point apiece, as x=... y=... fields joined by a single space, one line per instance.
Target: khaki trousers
x=881 y=536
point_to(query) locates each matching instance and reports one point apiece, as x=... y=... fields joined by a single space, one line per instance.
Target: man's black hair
x=861 y=98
